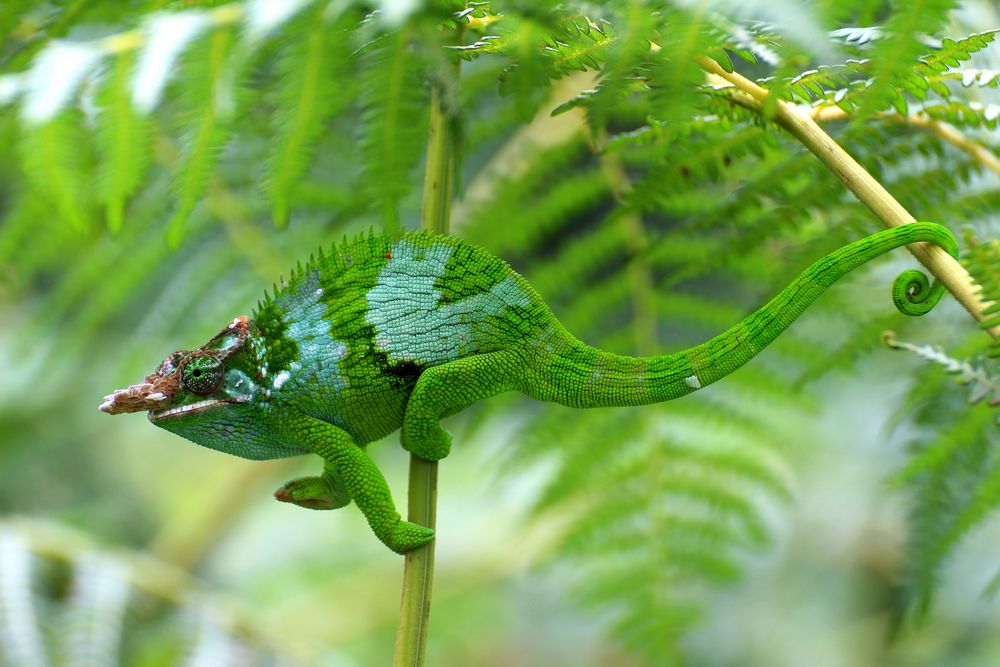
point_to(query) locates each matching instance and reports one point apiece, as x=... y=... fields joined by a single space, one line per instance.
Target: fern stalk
x=944 y=131
x=418 y=569
x=869 y=191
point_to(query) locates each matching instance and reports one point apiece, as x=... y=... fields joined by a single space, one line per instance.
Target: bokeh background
x=754 y=524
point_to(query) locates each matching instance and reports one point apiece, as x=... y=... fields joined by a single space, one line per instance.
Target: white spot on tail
x=693 y=382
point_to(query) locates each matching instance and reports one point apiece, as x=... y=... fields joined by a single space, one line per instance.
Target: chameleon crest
x=384 y=334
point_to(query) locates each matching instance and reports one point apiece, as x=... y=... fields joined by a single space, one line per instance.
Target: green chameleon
x=385 y=333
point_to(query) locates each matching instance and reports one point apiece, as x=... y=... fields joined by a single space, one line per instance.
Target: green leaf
x=123 y=142
x=394 y=99
x=55 y=161
x=314 y=84
x=205 y=127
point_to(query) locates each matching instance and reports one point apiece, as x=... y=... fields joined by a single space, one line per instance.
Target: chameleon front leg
x=326 y=492
x=363 y=481
x=447 y=389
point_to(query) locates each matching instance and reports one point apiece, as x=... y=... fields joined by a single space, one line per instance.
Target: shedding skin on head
x=159 y=388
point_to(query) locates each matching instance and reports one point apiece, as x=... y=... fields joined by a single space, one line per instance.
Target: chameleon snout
x=136 y=398
x=153 y=393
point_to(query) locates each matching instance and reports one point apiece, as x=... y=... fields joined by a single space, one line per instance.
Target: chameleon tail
x=578 y=375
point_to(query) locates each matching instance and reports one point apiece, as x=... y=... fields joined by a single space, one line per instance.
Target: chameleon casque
x=386 y=333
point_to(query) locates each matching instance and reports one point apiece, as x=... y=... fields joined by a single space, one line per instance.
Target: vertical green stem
x=418 y=569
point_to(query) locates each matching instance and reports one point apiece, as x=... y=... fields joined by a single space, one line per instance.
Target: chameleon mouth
x=190 y=409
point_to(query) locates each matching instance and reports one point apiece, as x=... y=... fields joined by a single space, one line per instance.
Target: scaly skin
x=386 y=334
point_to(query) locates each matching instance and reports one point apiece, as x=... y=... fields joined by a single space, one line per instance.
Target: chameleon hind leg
x=447 y=389
x=362 y=479
x=326 y=492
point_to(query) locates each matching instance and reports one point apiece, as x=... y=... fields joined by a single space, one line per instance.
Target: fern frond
x=955 y=485
x=580 y=45
x=55 y=160
x=893 y=54
x=314 y=83
x=626 y=62
x=850 y=85
x=652 y=507
x=961 y=112
x=393 y=124
x=858 y=36
x=205 y=126
x=981 y=383
x=94 y=618
x=123 y=142
x=20 y=632
x=952 y=52
x=983 y=262
x=120 y=608
x=818 y=83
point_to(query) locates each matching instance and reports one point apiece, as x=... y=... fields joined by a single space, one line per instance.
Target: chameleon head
x=211 y=395
x=193 y=382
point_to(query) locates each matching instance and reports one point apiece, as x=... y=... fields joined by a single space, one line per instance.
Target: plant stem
x=418 y=569
x=864 y=186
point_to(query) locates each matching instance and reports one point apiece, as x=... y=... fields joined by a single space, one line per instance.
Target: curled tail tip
x=914 y=295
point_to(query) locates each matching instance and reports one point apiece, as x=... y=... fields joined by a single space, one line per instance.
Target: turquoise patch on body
x=412 y=324
x=320 y=354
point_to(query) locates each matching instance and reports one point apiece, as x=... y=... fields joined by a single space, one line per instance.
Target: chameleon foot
x=313 y=493
x=407 y=536
x=430 y=444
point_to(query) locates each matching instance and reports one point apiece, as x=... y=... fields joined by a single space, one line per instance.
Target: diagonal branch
x=943 y=131
x=868 y=190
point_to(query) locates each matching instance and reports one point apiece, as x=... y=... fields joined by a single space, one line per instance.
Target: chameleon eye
x=202 y=375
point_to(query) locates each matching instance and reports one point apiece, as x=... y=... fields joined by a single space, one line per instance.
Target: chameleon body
x=382 y=334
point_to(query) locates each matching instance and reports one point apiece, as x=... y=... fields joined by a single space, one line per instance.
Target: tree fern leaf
x=54 y=78
x=894 y=54
x=526 y=79
x=580 y=45
x=629 y=53
x=95 y=617
x=313 y=83
x=20 y=633
x=937 y=533
x=983 y=262
x=673 y=67
x=860 y=35
x=952 y=52
x=54 y=159
x=576 y=193
x=207 y=129
x=120 y=608
x=953 y=479
x=212 y=645
x=983 y=78
x=123 y=141
x=961 y=112
x=577 y=260
x=393 y=98
x=166 y=37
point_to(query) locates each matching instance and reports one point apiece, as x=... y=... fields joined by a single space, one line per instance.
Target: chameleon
x=385 y=333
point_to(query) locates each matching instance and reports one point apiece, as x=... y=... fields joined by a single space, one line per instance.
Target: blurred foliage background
x=832 y=503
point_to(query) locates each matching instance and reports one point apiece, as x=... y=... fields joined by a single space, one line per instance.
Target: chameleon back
x=351 y=332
